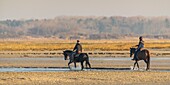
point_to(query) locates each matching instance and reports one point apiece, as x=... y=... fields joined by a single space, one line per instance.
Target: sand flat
x=84 y=78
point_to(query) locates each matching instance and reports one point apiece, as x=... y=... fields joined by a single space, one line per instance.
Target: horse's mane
x=68 y=51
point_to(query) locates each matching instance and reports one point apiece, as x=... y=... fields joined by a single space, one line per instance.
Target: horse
x=142 y=55
x=81 y=58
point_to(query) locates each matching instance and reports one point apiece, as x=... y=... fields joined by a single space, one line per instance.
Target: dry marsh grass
x=88 y=45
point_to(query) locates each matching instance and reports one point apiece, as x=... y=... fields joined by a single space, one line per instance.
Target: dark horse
x=142 y=55
x=81 y=58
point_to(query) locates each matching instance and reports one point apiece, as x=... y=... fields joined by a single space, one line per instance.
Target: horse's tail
x=148 y=59
x=87 y=61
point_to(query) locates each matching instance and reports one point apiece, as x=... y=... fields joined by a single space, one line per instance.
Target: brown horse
x=142 y=55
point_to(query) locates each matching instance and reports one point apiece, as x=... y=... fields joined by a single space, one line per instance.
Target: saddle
x=142 y=49
x=76 y=55
x=141 y=53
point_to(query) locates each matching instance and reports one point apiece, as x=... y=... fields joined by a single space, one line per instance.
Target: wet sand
x=156 y=63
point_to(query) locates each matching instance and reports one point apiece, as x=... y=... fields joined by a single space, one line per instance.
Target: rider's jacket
x=78 y=48
x=141 y=44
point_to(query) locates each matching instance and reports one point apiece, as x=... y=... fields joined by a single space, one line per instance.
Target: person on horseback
x=77 y=49
x=139 y=47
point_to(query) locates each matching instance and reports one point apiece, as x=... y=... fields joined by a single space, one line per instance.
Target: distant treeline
x=75 y=27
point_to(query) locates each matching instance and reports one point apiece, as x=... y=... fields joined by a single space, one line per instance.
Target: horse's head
x=66 y=53
x=132 y=51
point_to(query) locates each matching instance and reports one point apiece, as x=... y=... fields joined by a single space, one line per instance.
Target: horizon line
x=42 y=18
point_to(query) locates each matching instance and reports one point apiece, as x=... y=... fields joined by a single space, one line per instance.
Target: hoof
x=147 y=69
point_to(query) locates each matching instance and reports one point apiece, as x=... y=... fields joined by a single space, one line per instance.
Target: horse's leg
x=148 y=65
x=89 y=64
x=86 y=64
x=138 y=65
x=134 y=65
x=82 y=67
x=147 y=68
x=148 y=61
x=75 y=64
x=69 y=64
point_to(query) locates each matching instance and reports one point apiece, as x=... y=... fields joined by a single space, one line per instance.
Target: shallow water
x=155 y=61
x=14 y=69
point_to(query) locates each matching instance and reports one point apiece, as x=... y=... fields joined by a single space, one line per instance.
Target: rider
x=77 y=48
x=140 y=46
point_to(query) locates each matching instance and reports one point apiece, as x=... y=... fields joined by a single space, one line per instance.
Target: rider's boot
x=133 y=59
x=73 y=57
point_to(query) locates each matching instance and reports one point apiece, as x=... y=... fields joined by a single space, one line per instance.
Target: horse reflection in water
x=142 y=55
x=81 y=58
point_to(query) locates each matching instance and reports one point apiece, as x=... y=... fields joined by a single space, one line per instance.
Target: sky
x=45 y=9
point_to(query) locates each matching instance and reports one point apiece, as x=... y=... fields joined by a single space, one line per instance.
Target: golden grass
x=84 y=78
x=88 y=45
